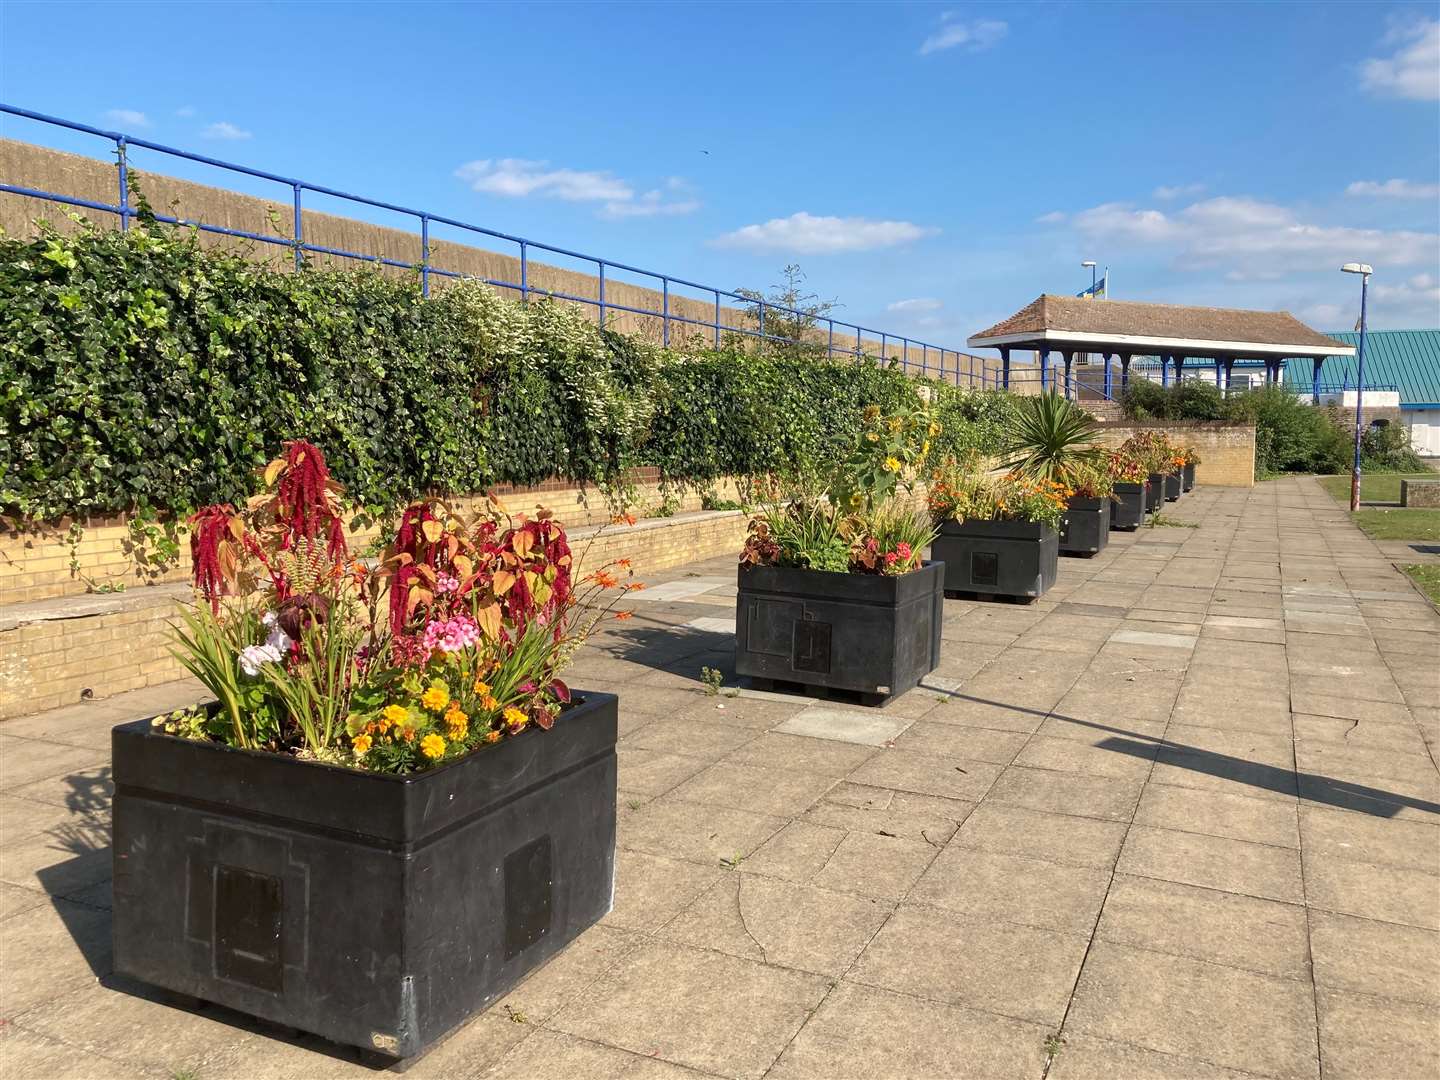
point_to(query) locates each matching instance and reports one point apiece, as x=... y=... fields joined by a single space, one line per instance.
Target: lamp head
x=1364 y=269
x=1088 y=262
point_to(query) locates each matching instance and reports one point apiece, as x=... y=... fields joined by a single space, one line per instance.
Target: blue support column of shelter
x=1179 y=369
x=1315 y=380
x=1005 y=366
x=1069 y=387
x=1229 y=372
x=1164 y=369
x=1042 y=357
x=1124 y=372
x=1109 y=383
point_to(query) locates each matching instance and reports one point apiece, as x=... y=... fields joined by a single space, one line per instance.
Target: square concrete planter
x=1154 y=492
x=877 y=636
x=999 y=558
x=1189 y=477
x=1085 y=528
x=1173 y=482
x=375 y=910
x=1127 y=506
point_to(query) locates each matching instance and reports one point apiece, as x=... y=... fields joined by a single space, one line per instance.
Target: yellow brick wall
x=35 y=559
x=1227 y=450
x=44 y=665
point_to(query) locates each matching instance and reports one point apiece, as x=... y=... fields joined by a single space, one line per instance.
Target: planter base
x=998 y=558
x=1127 y=506
x=876 y=636
x=1173 y=482
x=1085 y=528
x=373 y=910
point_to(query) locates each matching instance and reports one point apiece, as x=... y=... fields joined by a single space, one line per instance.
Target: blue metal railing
x=932 y=360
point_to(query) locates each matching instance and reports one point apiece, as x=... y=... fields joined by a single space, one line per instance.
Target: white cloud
x=1394 y=189
x=651 y=204
x=974 y=36
x=185 y=112
x=130 y=118
x=223 y=129
x=1055 y=217
x=517 y=178
x=1417 y=298
x=916 y=306
x=807 y=234
x=1251 y=239
x=1178 y=191
x=1413 y=70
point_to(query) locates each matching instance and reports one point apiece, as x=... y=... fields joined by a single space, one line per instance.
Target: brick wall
x=36 y=559
x=60 y=651
x=1227 y=450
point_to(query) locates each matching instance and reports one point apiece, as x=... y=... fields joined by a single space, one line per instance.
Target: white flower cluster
x=277 y=644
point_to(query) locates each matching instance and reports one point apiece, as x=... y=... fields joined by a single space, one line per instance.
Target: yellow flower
x=482 y=687
x=514 y=718
x=934 y=429
x=361 y=745
x=872 y=436
x=892 y=464
x=394 y=714
x=457 y=723
x=437 y=697
x=433 y=747
x=925 y=447
x=489 y=703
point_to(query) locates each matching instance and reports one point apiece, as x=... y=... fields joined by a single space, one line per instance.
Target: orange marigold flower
x=361 y=745
x=492 y=736
x=489 y=703
x=433 y=747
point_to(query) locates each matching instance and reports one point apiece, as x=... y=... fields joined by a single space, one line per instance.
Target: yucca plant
x=1049 y=438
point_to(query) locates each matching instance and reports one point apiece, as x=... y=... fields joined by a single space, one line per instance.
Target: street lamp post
x=1091 y=264
x=1364 y=270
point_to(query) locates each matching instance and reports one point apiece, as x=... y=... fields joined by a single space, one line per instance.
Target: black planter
x=374 y=910
x=1154 y=492
x=1189 y=476
x=1085 y=528
x=1127 y=506
x=1000 y=558
x=1172 y=486
x=878 y=636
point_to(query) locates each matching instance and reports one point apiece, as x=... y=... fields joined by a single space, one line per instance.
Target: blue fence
x=839 y=338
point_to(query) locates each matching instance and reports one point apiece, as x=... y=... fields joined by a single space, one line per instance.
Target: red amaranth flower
x=302 y=498
x=209 y=529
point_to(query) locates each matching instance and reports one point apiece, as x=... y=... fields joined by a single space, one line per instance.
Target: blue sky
x=934 y=166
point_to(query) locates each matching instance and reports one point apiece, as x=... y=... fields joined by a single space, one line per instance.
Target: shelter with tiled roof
x=1126 y=329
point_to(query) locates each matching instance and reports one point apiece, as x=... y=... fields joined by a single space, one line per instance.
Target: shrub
x=1190 y=399
x=1386 y=448
x=1291 y=435
x=142 y=371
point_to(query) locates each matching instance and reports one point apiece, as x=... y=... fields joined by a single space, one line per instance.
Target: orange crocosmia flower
x=604 y=579
x=622 y=615
x=635 y=586
x=624 y=564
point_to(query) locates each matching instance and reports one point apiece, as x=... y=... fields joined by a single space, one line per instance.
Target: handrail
x=123 y=209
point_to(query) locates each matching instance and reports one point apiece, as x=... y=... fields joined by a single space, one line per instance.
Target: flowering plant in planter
x=456 y=639
x=1152 y=449
x=888 y=454
x=1091 y=481
x=1124 y=467
x=967 y=493
x=812 y=534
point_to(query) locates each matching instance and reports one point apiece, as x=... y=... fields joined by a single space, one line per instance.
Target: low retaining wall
x=1226 y=449
x=67 y=649
x=43 y=561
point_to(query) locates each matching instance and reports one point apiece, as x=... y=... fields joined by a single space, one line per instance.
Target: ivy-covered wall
x=141 y=371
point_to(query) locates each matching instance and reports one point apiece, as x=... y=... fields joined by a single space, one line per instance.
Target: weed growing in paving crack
x=515 y=1015
x=733 y=862
x=1053 y=1045
x=1160 y=521
x=713 y=678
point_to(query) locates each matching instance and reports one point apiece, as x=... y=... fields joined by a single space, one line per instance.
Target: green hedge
x=140 y=370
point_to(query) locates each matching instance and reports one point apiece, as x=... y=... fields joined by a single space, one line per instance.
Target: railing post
x=883 y=357
x=717 y=318
x=665 y=312
x=602 y=296
x=124 y=168
x=424 y=255
x=524 y=273
x=925 y=361
x=830 y=341
x=762 y=323
x=299 y=232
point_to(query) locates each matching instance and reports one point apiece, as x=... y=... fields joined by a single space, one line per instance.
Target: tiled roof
x=1407 y=359
x=1130 y=319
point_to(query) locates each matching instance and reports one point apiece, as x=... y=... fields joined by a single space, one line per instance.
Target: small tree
x=790 y=316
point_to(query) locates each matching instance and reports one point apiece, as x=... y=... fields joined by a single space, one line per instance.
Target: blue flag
x=1096 y=291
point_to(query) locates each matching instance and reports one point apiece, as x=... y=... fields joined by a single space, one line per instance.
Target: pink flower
x=903 y=550
x=890 y=558
x=450 y=635
x=446 y=583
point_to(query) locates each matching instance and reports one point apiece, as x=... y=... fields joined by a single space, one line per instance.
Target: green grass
x=1427 y=576
x=1399 y=524
x=1374 y=487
